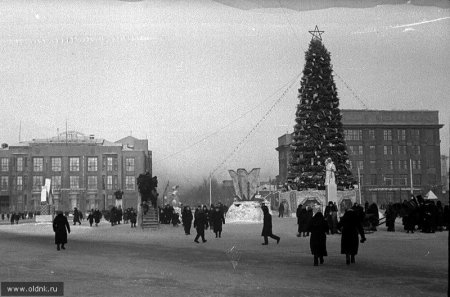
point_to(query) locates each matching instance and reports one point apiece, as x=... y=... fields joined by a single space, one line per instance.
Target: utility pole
x=359 y=186
x=210 y=191
x=411 y=176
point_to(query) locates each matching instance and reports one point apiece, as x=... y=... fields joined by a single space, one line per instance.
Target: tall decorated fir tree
x=318 y=132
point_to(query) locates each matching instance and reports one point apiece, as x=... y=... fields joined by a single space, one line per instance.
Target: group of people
x=203 y=219
x=350 y=226
x=418 y=213
x=94 y=216
x=14 y=217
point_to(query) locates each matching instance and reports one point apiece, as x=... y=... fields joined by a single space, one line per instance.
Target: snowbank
x=244 y=212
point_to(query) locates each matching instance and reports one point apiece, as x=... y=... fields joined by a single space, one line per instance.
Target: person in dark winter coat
x=374 y=216
x=97 y=217
x=319 y=228
x=200 y=223
x=187 y=217
x=217 y=219
x=90 y=217
x=308 y=217
x=390 y=215
x=61 y=227
x=76 y=216
x=281 y=210
x=133 y=218
x=446 y=216
x=303 y=222
x=299 y=215
x=175 y=219
x=351 y=226
x=267 y=227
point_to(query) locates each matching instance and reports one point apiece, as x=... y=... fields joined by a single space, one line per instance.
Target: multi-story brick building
x=83 y=172
x=391 y=149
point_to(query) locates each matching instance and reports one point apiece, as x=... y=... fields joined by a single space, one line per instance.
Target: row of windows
x=109 y=163
x=109 y=182
x=388 y=164
x=357 y=134
x=394 y=180
x=387 y=150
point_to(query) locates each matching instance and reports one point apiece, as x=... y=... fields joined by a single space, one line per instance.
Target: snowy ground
x=120 y=261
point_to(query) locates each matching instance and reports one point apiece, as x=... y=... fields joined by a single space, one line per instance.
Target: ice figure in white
x=330 y=172
x=245 y=183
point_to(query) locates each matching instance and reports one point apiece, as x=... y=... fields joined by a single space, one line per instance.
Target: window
x=74 y=164
x=387 y=134
x=92 y=182
x=372 y=150
x=402 y=164
x=109 y=182
x=115 y=182
x=19 y=164
x=401 y=135
x=388 y=180
x=371 y=134
x=130 y=182
x=417 y=179
x=129 y=164
x=431 y=178
x=389 y=164
x=4 y=183
x=56 y=183
x=390 y=196
x=38 y=182
x=387 y=149
x=74 y=182
x=416 y=149
x=355 y=149
x=416 y=164
x=415 y=134
x=4 y=164
x=56 y=164
x=373 y=179
x=38 y=164
x=402 y=180
x=109 y=198
x=401 y=149
x=373 y=163
x=19 y=183
x=92 y=164
x=353 y=134
x=109 y=164
x=360 y=164
x=350 y=164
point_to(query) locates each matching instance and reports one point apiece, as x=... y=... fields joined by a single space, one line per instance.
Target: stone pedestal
x=331 y=191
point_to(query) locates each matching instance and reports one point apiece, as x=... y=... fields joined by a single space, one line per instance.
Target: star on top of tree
x=316 y=33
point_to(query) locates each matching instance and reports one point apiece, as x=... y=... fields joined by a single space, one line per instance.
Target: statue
x=330 y=181
x=245 y=183
x=330 y=172
x=244 y=209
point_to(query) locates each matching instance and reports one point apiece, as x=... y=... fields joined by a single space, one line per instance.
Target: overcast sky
x=199 y=79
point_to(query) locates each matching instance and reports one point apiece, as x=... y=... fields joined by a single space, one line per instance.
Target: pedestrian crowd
x=417 y=214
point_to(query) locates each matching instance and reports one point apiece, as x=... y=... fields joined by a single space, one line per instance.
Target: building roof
x=390 y=117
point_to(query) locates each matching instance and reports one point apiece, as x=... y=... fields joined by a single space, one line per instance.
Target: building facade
x=390 y=153
x=81 y=171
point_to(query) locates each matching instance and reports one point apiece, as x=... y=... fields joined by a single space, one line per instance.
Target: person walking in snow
x=61 y=227
x=267 y=227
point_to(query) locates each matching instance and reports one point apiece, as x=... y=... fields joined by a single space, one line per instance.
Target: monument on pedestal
x=330 y=181
x=46 y=207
